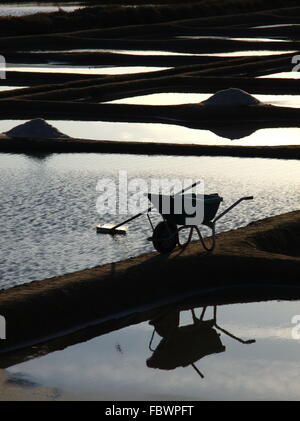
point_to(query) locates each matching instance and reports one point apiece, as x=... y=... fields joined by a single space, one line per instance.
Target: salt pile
x=231 y=96
x=35 y=128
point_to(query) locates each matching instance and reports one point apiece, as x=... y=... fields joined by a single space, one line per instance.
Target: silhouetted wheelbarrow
x=175 y=212
x=165 y=235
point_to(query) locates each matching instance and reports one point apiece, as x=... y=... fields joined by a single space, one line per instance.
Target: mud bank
x=157 y=17
x=195 y=299
x=45 y=82
x=189 y=77
x=121 y=59
x=71 y=145
x=46 y=309
x=17 y=78
x=190 y=115
x=62 y=41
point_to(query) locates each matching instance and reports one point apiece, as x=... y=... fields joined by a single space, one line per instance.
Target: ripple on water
x=48 y=212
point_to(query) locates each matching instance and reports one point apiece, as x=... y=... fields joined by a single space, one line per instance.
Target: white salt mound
x=35 y=128
x=231 y=96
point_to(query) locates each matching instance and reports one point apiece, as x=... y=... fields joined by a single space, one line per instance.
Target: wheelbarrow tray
x=177 y=214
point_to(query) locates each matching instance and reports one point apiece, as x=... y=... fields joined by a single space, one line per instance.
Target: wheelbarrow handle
x=232 y=206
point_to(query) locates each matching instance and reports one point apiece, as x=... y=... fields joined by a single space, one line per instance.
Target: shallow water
x=113 y=366
x=231 y=39
x=10 y=88
x=92 y=70
x=169 y=53
x=101 y=50
x=48 y=207
x=169 y=133
x=277 y=25
x=250 y=53
x=284 y=75
x=22 y=9
x=174 y=98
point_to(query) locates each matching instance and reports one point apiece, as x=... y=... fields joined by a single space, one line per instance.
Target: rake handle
x=187 y=188
x=131 y=219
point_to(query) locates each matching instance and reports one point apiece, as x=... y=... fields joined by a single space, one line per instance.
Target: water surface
x=250 y=53
x=48 y=207
x=114 y=366
x=11 y=88
x=93 y=70
x=175 y=98
x=170 y=133
x=169 y=53
x=22 y=9
x=283 y=75
x=231 y=39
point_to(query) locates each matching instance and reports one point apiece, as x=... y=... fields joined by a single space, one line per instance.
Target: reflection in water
x=20 y=387
x=233 y=133
x=20 y=380
x=92 y=366
x=260 y=134
x=177 y=98
x=183 y=346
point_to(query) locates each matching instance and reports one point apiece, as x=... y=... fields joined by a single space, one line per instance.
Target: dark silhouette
x=183 y=346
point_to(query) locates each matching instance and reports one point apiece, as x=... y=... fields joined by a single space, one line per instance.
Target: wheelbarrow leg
x=194 y=227
x=213 y=237
x=183 y=245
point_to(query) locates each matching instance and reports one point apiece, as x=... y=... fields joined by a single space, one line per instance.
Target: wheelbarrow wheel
x=165 y=237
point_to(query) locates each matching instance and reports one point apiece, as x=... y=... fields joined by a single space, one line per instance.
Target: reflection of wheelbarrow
x=183 y=346
x=179 y=210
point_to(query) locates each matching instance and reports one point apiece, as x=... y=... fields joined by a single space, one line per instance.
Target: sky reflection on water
x=113 y=366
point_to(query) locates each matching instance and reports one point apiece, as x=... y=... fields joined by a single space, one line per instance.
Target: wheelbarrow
x=165 y=236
